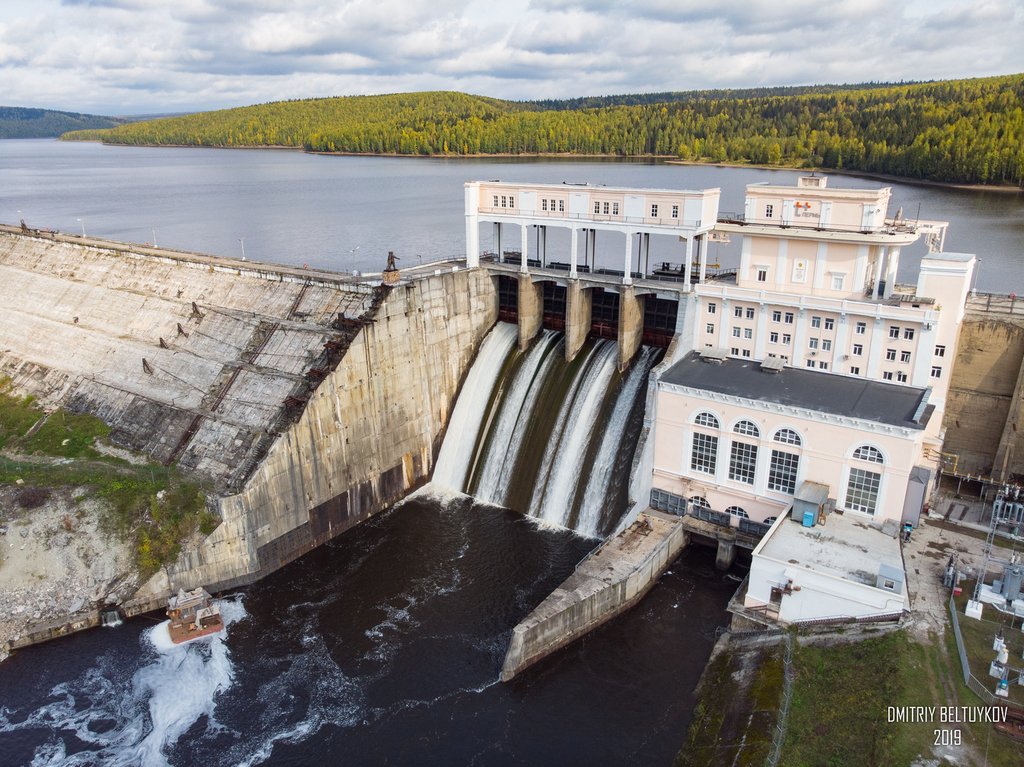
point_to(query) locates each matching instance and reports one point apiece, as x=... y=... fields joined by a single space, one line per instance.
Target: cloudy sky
x=147 y=56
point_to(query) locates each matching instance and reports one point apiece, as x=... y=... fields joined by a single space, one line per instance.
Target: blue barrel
x=808 y=519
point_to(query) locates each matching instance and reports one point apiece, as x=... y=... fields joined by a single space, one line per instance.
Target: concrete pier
x=631 y=325
x=531 y=310
x=578 y=310
x=609 y=581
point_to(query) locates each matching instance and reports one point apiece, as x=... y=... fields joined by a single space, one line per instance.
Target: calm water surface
x=346 y=213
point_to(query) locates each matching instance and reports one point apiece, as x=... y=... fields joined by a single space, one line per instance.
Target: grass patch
x=841 y=698
x=153 y=507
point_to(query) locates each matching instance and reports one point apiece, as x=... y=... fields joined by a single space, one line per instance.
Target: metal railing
x=675 y=223
x=889 y=227
x=973 y=683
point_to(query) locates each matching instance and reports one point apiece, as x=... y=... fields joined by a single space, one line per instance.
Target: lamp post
x=241 y=241
x=154 y=238
x=353 y=252
x=82 y=222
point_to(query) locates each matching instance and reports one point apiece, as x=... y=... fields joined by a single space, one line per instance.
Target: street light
x=241 y=241
x=353 y=252
x=154 y=237
x=82 y=222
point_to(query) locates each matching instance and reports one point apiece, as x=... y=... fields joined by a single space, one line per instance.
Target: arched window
x=704 y=454
x=706 y=419
x=747 y=428
x=770 y=521
x=862 y=487
x=736 y=511
x=788 y=437
x=699 y=502
x=868 y=453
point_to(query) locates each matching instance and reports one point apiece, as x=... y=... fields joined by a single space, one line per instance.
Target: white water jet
x=510 y=427
x=611 y=443
x=465 y=421
x=552 y=499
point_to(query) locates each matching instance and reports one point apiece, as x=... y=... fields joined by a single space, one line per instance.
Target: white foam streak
x=464 y=424
x=565 y=474
x=611 y=444
x=510 y=428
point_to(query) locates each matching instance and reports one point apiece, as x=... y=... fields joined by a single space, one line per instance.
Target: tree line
x=965 y=131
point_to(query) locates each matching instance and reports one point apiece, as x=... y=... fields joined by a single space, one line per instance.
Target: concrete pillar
x=472 y=224
x=726 y=555
x=890 y=273
x=1004 y=459
x=592 y=247
x=531 y=310
x=761 y=333
x=542 y=245
x=781 y=263
x=631 y=325
x=626 y=278
x=703 y=251
x=723 y=324
x=879 y=272
x=800 y=339
x=860 y=268
x=523 y=267
x=820 y=262
x=579 y=304
x=875 y=347
x=689 y=258
x=574 y=253
x=839 y=348
x=496 y=237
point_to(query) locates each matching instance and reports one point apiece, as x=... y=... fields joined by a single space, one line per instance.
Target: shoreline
x=639 y=159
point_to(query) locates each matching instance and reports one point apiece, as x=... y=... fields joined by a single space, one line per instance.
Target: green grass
x=151 y=506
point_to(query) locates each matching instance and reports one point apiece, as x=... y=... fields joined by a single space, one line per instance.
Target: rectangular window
x=675 y=211
x=822 y=364
x=746 y=352
x=605 y=208
x=861 y=328
x=787 y=338
x=742 y=462
x=901 y=377
x=561 y=206
x=782 y=471
x=735 y=351
x=810 y=363
x=904 y=356
x=936 y=372
x=735 y=332
x=894 y=332
x=654 y=211
x=855 y=371
x=597 y=206
x=738 y=312
x=812 y=343
x=776 y=316
x=710 y=328
x=748 y=333
x=858 y=350
x=504 y=201
x=789 y=318
x=890 y=354
x=815 y=322
x=862 y=491
x=769 y=210
x=615 y=209
x=826 y=345
x=762 y=275
x=512 y=201
x=940 y=350
x=908 y=334
x=495 y=201
x=837 y=281
x=887 y=375
x=705 y=453
x=773 y=338
x=749 y=313
x=829 y=323
x=544 y=204
x=711 y=308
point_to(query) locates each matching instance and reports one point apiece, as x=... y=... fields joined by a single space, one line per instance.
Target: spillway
x=544 y=437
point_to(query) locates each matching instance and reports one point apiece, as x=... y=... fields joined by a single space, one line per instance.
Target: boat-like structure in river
x=193 y=614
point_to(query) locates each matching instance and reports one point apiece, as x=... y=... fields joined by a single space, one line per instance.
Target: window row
x=546 y=204
x=607 y=208
x=507 y=201
x=782 y=468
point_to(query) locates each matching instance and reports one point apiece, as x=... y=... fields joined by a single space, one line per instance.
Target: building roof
x=849 y=396
x=847 y=546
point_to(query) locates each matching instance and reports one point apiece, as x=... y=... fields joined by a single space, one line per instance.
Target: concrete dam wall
x=309 y=402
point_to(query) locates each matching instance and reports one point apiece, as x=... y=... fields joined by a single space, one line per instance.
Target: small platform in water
x=193 y=614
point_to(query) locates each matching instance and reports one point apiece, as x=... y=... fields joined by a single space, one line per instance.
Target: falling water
x=548 y=438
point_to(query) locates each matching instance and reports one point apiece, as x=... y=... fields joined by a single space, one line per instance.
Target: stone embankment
x=613 y=578
x=56 y=566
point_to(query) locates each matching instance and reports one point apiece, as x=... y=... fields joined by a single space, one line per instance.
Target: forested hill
x=21 y=122
x=966 y=131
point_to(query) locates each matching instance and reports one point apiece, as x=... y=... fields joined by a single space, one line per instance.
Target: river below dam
x=381 y=647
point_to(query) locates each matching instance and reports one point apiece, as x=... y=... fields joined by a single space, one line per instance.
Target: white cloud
x=132 y=56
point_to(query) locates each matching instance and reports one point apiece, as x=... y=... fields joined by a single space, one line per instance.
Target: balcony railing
x=675 y=223
x=889 y=227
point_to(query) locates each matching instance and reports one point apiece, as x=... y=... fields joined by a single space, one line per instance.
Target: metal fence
x=972 y=682
x=788 y=675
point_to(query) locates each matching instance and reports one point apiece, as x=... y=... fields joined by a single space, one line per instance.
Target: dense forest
x=966 y=131
x=21 y=122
